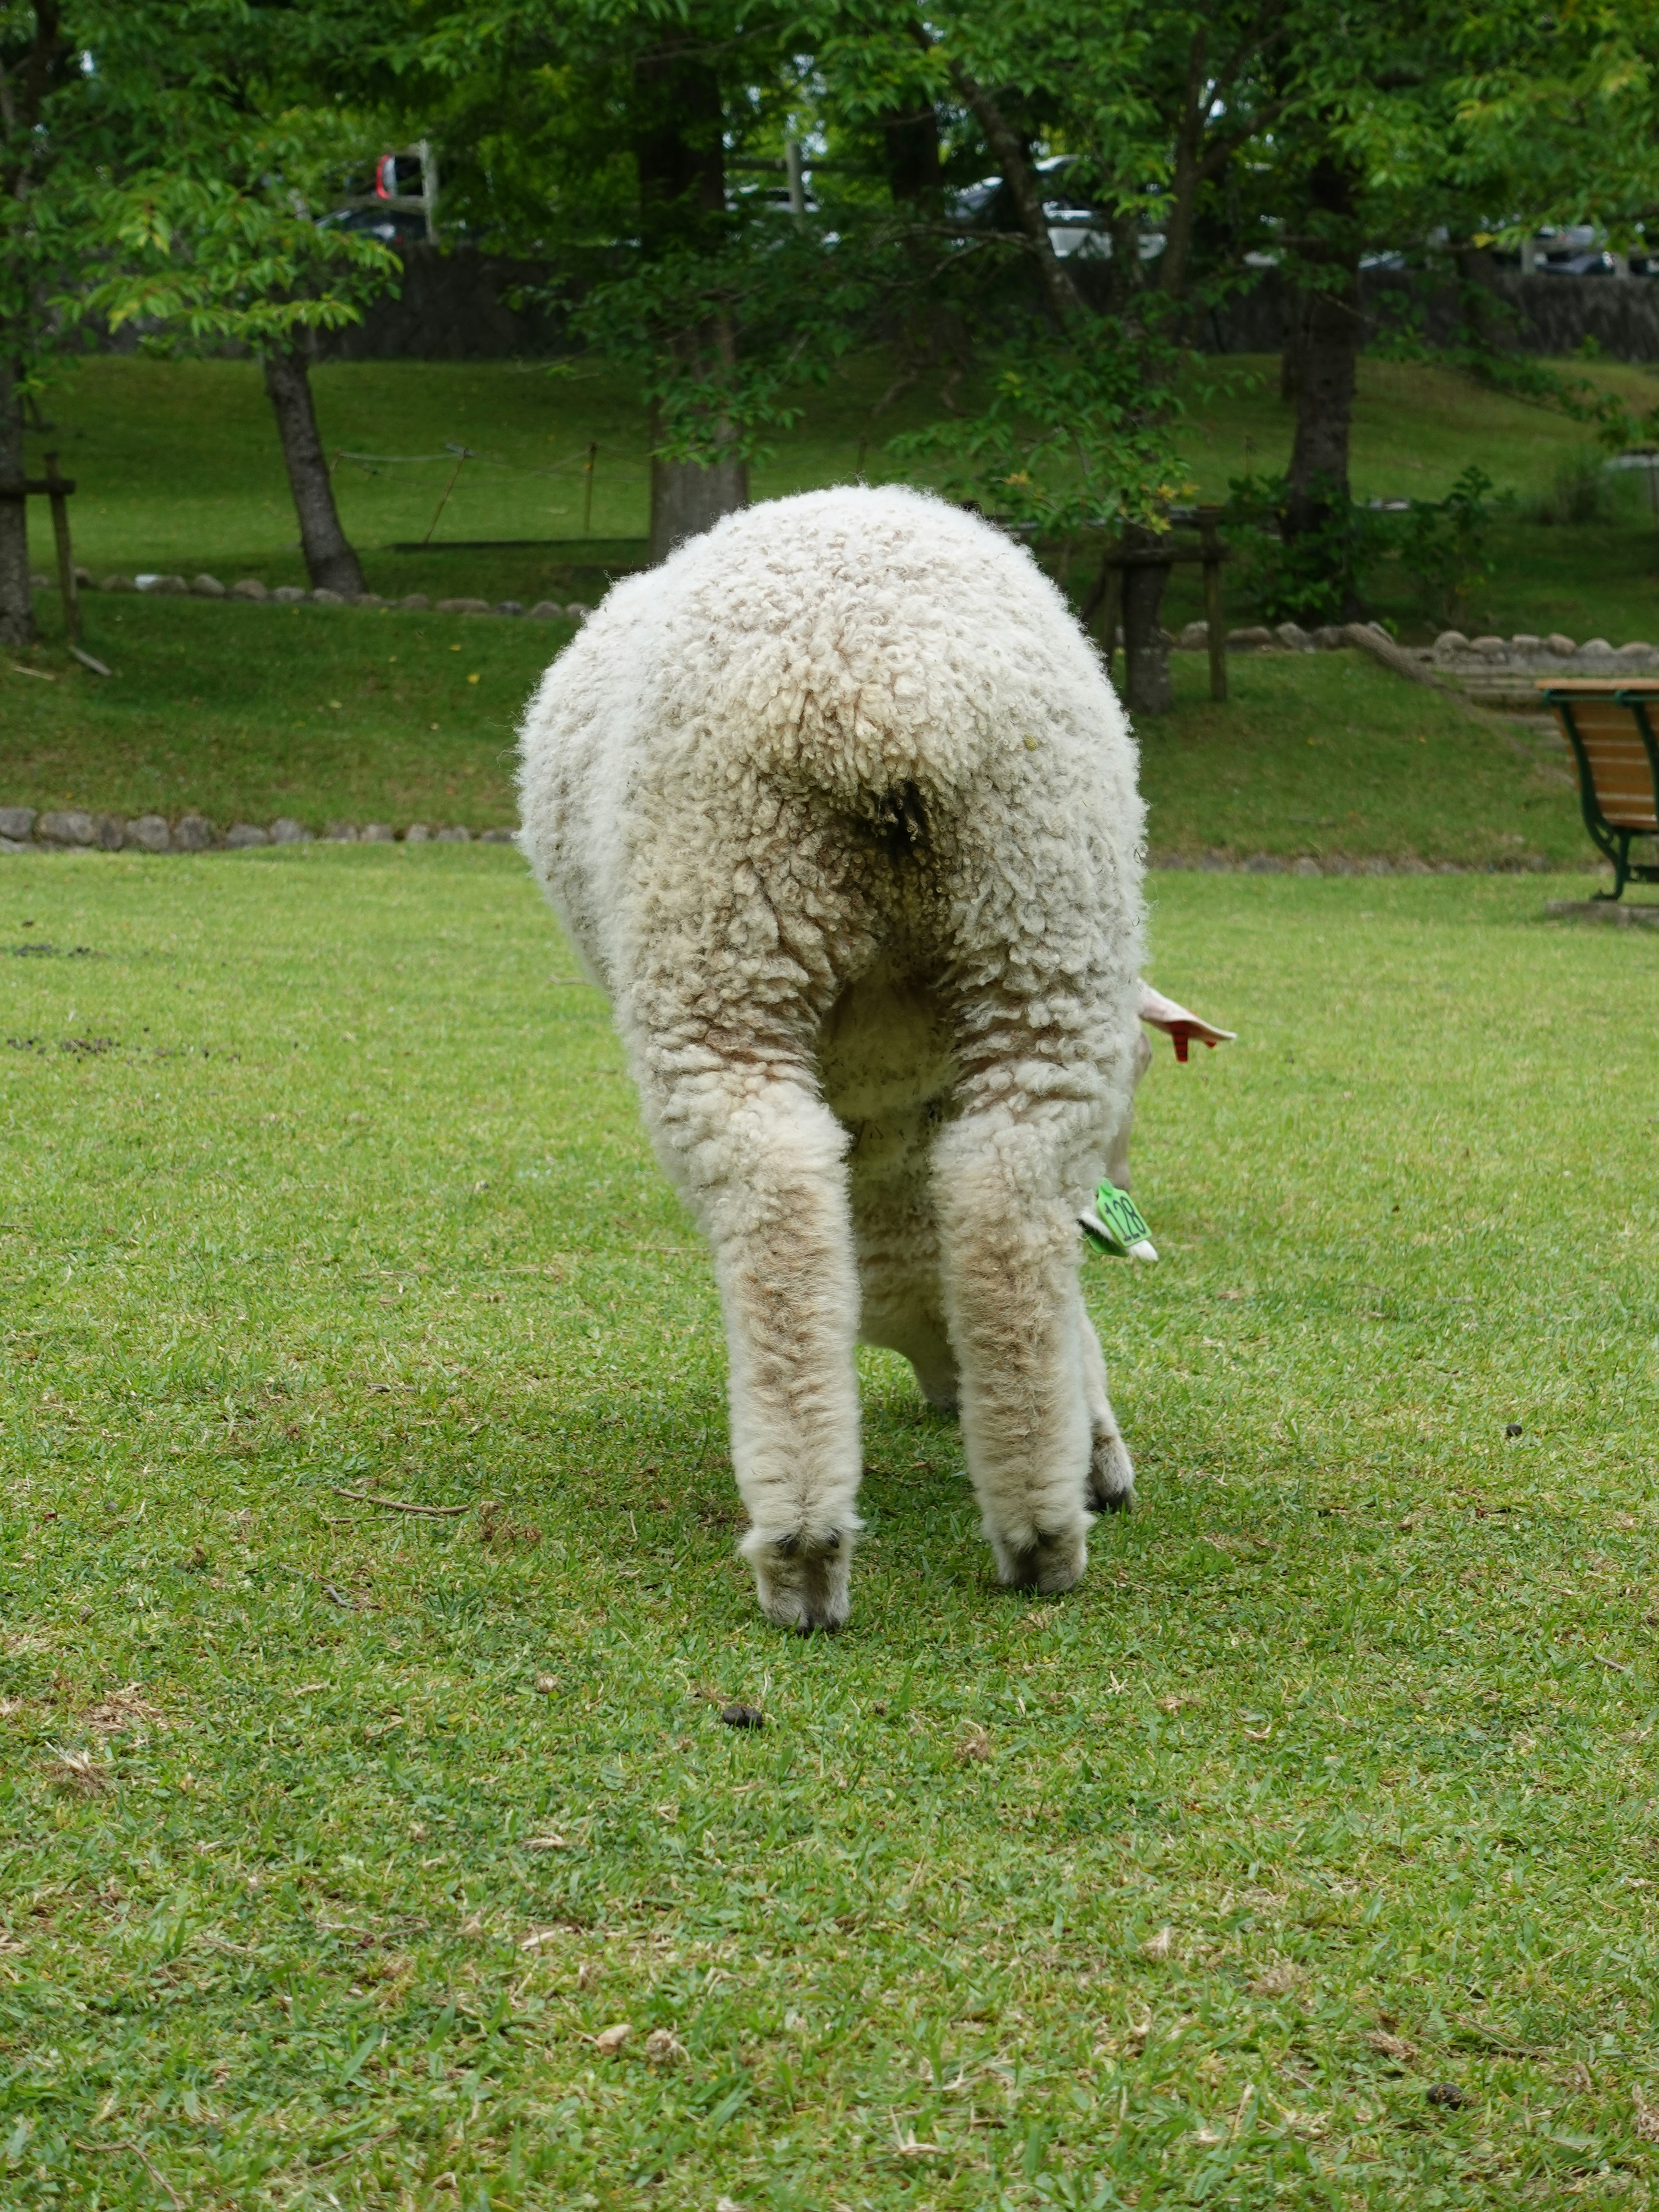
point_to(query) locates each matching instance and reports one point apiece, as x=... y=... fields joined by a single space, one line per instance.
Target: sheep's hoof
x=1111 y=1476
x=803 y=1583
x=1048 y=1564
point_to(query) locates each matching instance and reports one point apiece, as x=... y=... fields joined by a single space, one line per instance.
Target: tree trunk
x=1330 y=333
x=687 y=499
x=911 y=146
x=679 y=143
x=1182 y=197
x=16 y=601
x=1013 y=156
x=679 y=147
x=1292 y=355
x=1146 y=688
x=330 y=563
x=1127 y=276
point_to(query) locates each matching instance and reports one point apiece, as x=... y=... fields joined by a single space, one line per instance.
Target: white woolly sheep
x=841 y=811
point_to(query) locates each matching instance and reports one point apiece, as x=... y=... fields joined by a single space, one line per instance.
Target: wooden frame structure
x=56 y=488
x=1609 y=725
x=1209 y=553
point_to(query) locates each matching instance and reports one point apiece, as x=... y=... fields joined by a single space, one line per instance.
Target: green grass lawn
x=178 y=470
x=335 y=1840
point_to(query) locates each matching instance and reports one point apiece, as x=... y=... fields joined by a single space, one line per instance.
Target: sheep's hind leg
x=1008 y=1246
x=763 y=1162
x=1111 y=1470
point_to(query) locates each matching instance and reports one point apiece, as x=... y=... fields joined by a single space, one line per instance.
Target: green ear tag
x=1117 y=1225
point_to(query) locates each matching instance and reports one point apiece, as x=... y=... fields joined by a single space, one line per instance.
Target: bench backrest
x=1612 y=729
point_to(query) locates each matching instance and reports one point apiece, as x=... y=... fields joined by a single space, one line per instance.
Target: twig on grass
x=352 y=2149
x=337 y=1597
x=400 y=1505
x=1617 y=1665
x=143 y=2157
x=1500 y=2043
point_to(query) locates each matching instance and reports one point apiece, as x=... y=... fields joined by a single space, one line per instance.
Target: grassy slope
x=1357 y=1708
x=178 y=470
x=1326 y=755
x=250 y=712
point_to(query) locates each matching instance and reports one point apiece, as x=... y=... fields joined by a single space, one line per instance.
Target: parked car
x=1075 y=227
x=399 y=210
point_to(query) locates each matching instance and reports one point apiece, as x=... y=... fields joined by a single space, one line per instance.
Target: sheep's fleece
x=841 y=811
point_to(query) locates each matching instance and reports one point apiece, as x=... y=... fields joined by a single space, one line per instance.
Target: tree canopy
x=730 y=194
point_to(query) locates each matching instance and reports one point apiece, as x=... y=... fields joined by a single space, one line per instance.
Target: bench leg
x=1621 y=865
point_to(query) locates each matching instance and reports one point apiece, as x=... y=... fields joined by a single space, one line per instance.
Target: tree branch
x=1024 y=189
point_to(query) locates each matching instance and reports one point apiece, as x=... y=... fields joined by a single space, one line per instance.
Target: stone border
x=1487 y=668
x=1543 y=656
x=1285 y=637
x=73 y=830
x=1614 y=912
x=1341 y=864
x=1467 y=661
x=251 y=590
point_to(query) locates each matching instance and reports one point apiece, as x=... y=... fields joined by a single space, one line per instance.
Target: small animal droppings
x=1446 y=2093
x=1513 y=1429
x=742 y=1716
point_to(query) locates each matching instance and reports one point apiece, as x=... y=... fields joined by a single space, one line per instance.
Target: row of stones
x=1337 y=864
x=1452 y=645
x=1285 y=637
x=23 y=831
x=210 y=587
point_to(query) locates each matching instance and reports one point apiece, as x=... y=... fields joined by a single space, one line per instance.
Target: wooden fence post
x=1111 y=614
x=1217 y=636
x=57 y=492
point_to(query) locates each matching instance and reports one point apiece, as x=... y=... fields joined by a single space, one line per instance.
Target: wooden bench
x=1610 y=723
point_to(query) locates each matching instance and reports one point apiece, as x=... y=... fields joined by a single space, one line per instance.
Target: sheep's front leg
x=767 y=1178
x=1010 y=1251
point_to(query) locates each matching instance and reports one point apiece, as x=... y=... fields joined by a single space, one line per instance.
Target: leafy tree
x=1436 y=129
x=54 y=127
x=612 y=139
x=1150 y=107
x=222 y=241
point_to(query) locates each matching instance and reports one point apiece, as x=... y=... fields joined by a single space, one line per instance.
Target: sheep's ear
x=1177 y=1023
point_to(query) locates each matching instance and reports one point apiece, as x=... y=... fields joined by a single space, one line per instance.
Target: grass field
x=178 y=470
x=348 y=713
x=335 y=1840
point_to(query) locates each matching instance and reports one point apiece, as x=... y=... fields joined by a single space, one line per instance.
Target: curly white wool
x=841 y=811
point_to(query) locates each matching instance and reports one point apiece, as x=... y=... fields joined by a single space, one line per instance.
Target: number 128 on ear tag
x=1117 y=1226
